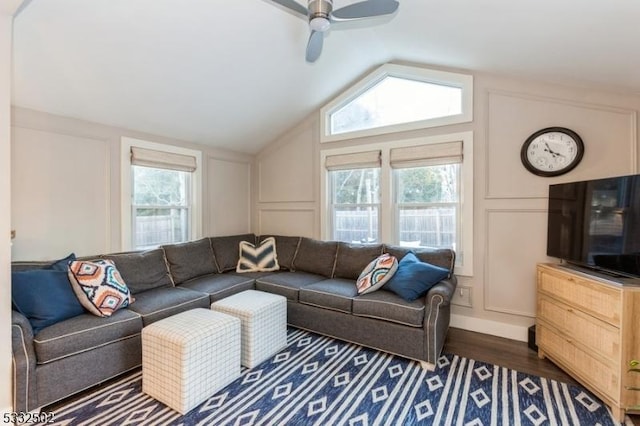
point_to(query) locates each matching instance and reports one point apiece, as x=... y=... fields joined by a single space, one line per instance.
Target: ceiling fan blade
x=294 y=6
x=314 y=46
x=365 y=9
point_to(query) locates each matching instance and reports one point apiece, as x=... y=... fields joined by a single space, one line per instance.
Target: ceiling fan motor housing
x=319 y=14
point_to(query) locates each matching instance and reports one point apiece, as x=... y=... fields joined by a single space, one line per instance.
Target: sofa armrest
x=436 y=322
x=444 y=289
x=24 y=364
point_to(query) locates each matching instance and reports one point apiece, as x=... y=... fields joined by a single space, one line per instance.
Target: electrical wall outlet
x=462 y=296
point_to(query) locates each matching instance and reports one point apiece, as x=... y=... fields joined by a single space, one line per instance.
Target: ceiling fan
x=321 y=16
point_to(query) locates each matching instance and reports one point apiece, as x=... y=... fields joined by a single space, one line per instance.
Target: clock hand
x=548 y=149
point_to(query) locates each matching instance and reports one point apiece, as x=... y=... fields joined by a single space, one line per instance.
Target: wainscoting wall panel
x=228 y=197
x=284 y=174
x=515 y=239
x=609 y=135
x=60 y=195
x=296 y=222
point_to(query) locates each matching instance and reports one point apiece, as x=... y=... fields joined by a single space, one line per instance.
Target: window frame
x=444 y=78
x=126 y=188
x=387 y=219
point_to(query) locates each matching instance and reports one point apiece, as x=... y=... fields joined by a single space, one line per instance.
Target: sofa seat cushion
x=388 y=306
x=219 y=286
x=190 y=260
x=336 y=294
x=287 y=284
x=159 y=303
x=253 y=275
x=142 y=270
x=84 y=333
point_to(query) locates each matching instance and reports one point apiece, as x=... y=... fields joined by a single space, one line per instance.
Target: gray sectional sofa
x=316 y=277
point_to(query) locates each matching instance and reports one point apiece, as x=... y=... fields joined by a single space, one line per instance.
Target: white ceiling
x=232 y=74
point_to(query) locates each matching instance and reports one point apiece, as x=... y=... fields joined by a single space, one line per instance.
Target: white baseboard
x=494 y=328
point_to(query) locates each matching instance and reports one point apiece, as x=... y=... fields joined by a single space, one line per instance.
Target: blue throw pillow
x=45 y=295
x=414 y=278
x=62 y=264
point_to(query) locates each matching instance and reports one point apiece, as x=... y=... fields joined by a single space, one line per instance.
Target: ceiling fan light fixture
x=319 y=23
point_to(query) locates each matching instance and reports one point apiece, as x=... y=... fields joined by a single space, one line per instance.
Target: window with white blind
x=418 y=194
x=161 y=194
x=354 y=181
x=426 y=192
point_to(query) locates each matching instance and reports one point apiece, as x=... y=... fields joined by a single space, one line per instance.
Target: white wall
x=510 y=204
x=66 y=186
x=7 y=9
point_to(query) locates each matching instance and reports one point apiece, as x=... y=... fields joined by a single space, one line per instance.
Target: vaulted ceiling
x=232 y=74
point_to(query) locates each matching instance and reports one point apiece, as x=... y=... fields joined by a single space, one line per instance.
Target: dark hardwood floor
x=508 y=353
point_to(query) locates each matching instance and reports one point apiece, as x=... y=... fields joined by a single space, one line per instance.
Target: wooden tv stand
x=590 y=327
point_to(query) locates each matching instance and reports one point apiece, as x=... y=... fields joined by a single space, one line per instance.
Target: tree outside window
x=355 y=205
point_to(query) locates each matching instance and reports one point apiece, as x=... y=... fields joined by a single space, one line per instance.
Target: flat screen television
x=596 y=224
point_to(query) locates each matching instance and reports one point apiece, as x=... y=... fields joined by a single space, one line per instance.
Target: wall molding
x=487 y=305
x=206 y=190
x=260 y=166
x=486 y=326
x=490 y=93
x=261 y=210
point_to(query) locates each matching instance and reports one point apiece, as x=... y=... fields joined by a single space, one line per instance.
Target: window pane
x=356 y=224
x=154 y=227
x=159 y=187
x=160 y=207
x=397 y=100
x=359 y=186
x=427 y=203
x=428 y=184
x=355 y=204
x=428 y=226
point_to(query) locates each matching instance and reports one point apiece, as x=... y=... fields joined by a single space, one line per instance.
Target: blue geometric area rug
x=317 y=380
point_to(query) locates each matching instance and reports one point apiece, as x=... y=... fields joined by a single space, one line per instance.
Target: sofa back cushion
x=286 y=248
x=316 y=257
x=445 y=258
x=226 y=250
x=142 y=270
x=190 y=260
x=353 y=258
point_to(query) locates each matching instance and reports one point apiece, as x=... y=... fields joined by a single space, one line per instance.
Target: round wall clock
x=552 y=151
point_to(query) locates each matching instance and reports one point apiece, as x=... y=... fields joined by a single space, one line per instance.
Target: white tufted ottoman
x=188 y=357
x=264 y=323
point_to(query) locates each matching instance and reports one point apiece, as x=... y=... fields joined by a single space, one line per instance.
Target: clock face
x=552 y=151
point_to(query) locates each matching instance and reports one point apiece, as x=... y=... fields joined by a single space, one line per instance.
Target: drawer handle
x=570 y=341
x=569 y=310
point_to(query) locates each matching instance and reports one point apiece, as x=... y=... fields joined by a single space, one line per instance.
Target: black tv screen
x=596 y=223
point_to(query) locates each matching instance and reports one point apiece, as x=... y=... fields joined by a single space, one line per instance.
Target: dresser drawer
x=601 y=376
x=583 y=329
x=600 y=301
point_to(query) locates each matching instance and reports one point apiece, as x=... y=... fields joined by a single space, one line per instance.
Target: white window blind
x=426 y=155
x=162 y=160
x=358 y=160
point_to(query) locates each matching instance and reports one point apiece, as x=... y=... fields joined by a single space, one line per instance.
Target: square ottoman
x=188 y=357
x=264 y=323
